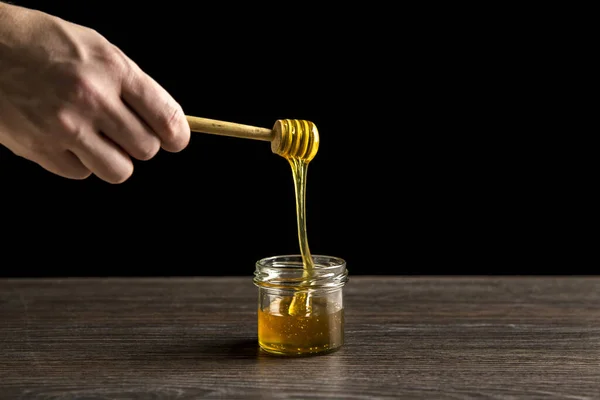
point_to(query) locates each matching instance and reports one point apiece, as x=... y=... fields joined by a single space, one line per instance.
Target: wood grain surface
x=406 y=337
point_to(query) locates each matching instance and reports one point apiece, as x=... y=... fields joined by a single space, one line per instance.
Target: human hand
x=77 y=105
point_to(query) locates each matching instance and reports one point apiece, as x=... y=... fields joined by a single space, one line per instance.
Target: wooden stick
x=224 y=128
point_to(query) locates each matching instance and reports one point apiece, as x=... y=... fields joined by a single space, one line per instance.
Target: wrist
x=15 y=25
x=7 y=19
x=6 y=25
x=4 y=8
x=3 y=11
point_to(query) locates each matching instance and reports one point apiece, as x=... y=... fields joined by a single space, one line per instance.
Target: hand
x=75 y=104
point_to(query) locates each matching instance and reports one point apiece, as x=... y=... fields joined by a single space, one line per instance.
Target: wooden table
x=406 y=337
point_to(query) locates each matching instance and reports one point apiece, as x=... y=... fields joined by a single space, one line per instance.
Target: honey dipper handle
x=224 y=128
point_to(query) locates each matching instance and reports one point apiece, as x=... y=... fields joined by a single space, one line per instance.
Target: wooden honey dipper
x=290 y=138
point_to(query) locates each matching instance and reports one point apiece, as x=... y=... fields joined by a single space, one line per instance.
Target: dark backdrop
x=428 y=163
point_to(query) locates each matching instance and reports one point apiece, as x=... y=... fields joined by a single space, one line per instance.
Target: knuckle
x=81 y=175
x=117 y=180
x=81 y=89
x=148 y=150
x=169 y=121
x=173 y=127
x=114 y=59
x=122 y=175
x=90 y=31
x=72 y=131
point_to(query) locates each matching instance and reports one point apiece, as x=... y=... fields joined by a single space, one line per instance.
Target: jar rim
x=287 y=271
x=321 y=262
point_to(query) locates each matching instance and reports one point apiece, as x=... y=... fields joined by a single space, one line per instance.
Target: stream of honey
x=300 y=324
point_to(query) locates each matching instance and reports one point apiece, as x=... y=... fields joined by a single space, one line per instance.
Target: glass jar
x=300 y=311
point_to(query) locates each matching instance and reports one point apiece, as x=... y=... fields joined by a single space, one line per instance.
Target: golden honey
x=300 y=302
x=299 y=144
x=317 y=331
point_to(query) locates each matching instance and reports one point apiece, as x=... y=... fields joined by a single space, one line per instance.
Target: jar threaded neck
x=288 y=272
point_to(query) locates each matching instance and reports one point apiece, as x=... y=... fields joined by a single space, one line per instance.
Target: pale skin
x=75 y=104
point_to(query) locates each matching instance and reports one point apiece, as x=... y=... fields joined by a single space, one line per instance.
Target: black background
x=432 y=157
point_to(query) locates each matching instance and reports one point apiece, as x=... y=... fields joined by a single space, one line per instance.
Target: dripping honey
x=300 y=323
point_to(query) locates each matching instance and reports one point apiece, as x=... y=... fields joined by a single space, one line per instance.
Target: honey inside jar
x=316 y=331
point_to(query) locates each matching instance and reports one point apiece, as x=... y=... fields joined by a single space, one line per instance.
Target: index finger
x=157 y=108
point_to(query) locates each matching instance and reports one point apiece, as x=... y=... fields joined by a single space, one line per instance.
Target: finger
x=103 y=157
x=157 y=108
x=65 y=164
x=126 y=129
